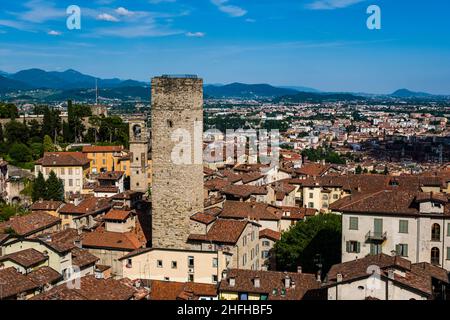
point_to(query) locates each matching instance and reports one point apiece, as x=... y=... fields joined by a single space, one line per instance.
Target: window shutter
x=398 y=249
x=358 y=247
x=348 y=246
x=405 y=253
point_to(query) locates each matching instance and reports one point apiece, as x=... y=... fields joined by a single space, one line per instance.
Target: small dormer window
x=436 y=205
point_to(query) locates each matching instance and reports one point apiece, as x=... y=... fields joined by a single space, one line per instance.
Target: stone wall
x=177 y=190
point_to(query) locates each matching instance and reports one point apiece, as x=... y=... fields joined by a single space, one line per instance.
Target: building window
x=264 y=254
x=214 y=278
x=448 y=253
x=244 y=259
x=78 y=182
x=215 y=262
x=353 y=225
x=104 y=161
x=159 y=263
x=62 y=171
x=70 y=182
x=403 y=226
x=70 y=171
x=190 y=262
x=325 y=197
x=448 y=229
x=266 y=243
x=353 y=247
x=174 y=264
x=257 y=249
x=191 y=278
x=244 y=241
x=436 y=232
x=375 y=249
x=129 y=263
x=311 y=195
x=310 y=205
x=335 y=196
x=402 y=250
x=435 y=256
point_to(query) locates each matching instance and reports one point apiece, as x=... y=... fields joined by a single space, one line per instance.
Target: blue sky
x=323 y=44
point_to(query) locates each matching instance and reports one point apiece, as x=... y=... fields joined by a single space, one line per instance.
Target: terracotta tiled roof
x=127 y=195
x=270 y=234
x=87 y=206
x=45 y=275
x=296 y=213
x=253 y=210
x=313 y=169
x=208 y=216
x=244 y=191
x=431 y=196
x=165 y=290
x=82 y=258
x=115 y=214
x=271 y=283
x=46 y=205
x=14 y=283
x=95 y=149
x=110 y=175
x=61 y=241
x=222 y=231
x=106 y=189
x=26 y=258
x=91 y=289
x=416 y=276
x=30 y=223
x=111 y=240
x=58 y=159
x=216 y=184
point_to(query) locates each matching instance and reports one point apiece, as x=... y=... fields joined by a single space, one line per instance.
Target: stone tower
x=139 y=146
x=177 y=189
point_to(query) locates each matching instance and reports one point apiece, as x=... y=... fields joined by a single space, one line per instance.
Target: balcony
x=376 y=236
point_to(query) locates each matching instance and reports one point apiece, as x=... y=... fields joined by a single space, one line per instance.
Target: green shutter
x=398 y=249
x=405 y=250
x=448 y=253
x=353 y=223
x=358 y=247
x=348 y=246
x=403 y=226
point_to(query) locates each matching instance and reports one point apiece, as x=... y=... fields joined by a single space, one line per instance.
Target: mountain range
x=71 y=84
x=66 y=80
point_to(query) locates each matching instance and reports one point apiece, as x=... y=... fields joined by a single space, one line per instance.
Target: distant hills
x=405 y=93
x=241 y=90
x=72 y=84
x=66 y=80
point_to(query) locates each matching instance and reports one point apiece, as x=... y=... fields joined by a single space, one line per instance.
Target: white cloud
x=331 y=4
x=233 y=11
x=160 y=1
x=54 y=33
x=250 y=20
x=40 y=11
x=121 y=11
x=195 y=34
x=107 y=17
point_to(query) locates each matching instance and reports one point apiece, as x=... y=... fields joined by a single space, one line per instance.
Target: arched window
x=436 y=232
x=435 y=256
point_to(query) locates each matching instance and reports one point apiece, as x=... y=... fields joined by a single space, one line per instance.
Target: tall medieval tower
x=177 y=189
x=139 y=147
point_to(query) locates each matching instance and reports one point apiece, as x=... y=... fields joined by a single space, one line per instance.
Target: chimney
x=257 y=282
x=287 y=282
x=299 y=269
x=391 y=274
x=339 y=277
x=232 y=282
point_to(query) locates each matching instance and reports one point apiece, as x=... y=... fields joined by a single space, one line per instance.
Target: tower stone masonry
x=139 y=146
x=177 y=189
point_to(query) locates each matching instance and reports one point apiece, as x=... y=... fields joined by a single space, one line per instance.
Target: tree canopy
x=318 y=236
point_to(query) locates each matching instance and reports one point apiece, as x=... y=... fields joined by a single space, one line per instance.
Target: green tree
x=386 y=170
x=16 y=132
x=54 y=188
x=37 y=150
x=19 y=152
x=358 y=170
x=48 y=144
x=39 y=188
x=318 y=235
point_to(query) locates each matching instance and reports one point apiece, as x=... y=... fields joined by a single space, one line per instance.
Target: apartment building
x=71 y=167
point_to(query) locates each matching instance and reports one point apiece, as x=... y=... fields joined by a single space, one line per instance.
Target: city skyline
x=324 y=44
